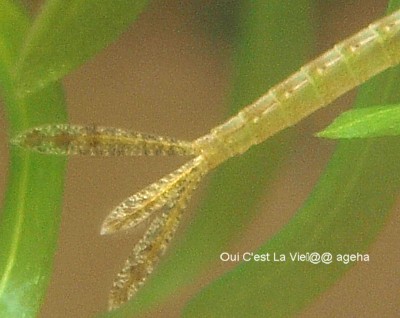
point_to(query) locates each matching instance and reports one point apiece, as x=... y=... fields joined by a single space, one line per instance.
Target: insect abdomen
x=314 y=86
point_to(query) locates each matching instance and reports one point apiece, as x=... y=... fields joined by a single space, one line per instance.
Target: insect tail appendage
x=169 y=195
x=66 y=139
x=174 y=191
x=164 y=192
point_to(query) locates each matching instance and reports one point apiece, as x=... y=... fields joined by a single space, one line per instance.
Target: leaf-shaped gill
x=164 y=192
x=66 y=139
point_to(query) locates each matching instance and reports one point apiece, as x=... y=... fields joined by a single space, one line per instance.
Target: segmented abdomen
x=314 y=86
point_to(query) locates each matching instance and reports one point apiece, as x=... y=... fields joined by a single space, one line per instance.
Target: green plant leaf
x=377 y=121
x=261 y=60
x=343 y=214
x=68 y=33
x=29 y=220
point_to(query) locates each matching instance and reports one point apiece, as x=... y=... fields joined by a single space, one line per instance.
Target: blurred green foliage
x=30 y=218
x=64 y=35
x=271 y=39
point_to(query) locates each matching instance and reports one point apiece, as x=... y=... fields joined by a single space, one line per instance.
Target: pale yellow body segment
x=314 y=86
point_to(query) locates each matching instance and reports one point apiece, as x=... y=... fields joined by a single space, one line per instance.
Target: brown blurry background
x=168 y=75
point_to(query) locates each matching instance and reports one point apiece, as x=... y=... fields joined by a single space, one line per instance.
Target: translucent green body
x=315 y=85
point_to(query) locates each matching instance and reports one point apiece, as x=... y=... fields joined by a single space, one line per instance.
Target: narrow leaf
x=68 y=33
x=30 y=217
x=377 y=121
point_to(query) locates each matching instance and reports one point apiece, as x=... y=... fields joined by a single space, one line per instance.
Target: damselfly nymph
x=315 y=85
